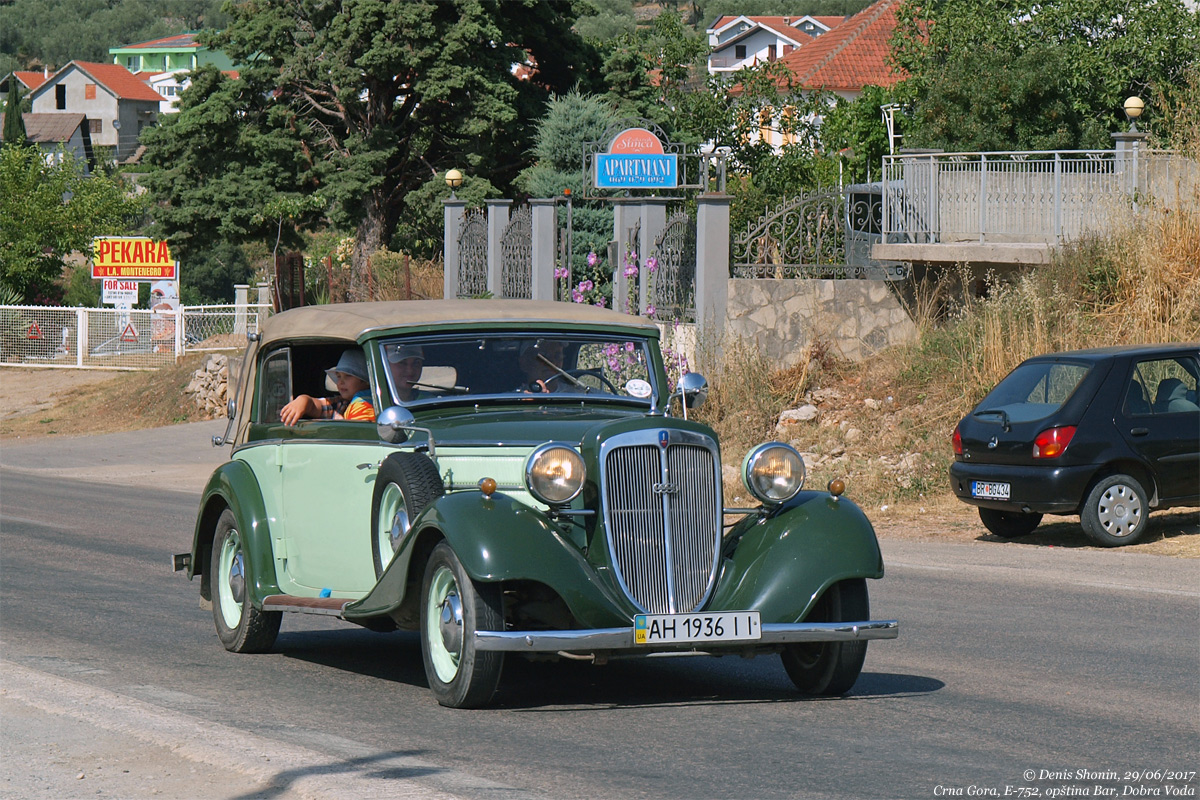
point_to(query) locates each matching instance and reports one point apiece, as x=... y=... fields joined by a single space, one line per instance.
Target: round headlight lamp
x=773 y=473
x=554 y=473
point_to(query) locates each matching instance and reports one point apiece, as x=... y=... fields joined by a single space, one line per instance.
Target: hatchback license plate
x=990 y=489
x=720 y=627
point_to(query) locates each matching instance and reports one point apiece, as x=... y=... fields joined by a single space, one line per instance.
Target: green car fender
x=234 y=486
x=497 y=538
x=782 y=564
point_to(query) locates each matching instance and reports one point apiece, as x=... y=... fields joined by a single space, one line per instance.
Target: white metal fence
x=1051 y=197
x=107 y=338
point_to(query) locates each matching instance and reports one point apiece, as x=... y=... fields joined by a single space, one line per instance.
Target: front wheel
x=1008 y=524
x=831 y=668
x=453 y=607
x=241 y=627
x=1115 y=511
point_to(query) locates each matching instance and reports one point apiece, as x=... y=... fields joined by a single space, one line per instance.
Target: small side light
x=487 y=486
x=836 y=487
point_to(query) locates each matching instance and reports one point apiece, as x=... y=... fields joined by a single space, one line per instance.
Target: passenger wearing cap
x=353 y=402
x=406 y=362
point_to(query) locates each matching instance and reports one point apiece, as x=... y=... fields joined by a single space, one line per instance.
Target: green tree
x=857 y=125
x=220 y=164
x=611 y=18
x=386 y=95
x=1106 y=50
x=47 y=211
x=14 y=124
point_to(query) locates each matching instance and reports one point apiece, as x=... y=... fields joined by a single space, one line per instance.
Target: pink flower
x=561 y=272
x=650 y=310
x=586 y=286
x=629 y=347
x=602 y=302
x=592 y=259
x=577 y=295
x=652 y=263
x=631 y=270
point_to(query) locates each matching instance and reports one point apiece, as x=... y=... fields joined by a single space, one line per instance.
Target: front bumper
x=1032 y=489
x=620 y=640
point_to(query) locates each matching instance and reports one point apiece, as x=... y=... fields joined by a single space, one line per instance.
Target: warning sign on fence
x=132 y=258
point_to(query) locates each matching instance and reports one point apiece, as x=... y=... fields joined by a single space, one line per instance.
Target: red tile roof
x=120 y=81
x=178 y=40
x=784 y=26
x=50 y=128
x=852 y=55
x=32 y=79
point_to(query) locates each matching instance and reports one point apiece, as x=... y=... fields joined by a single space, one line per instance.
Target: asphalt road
x=1079 y=668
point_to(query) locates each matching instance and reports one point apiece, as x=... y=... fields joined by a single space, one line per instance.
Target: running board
x=326 y=606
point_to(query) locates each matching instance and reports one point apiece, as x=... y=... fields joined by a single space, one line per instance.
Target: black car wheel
x=1115 y=511
x=1008 y=524
x=241 y=627
x=453 y=607
x=831 y=668
x=406 y=484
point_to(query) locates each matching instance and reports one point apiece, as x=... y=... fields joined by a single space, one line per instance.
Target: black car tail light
x=1052 y=442
x=956 y=440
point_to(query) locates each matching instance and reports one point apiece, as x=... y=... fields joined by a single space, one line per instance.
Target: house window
x=89 y=91
x=60 y=97
x=94 y=126
x=739 y=51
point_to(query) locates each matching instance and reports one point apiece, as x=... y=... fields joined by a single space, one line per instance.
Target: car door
x=1160 y=419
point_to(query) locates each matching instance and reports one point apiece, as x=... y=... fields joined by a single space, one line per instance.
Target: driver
x=541 y=360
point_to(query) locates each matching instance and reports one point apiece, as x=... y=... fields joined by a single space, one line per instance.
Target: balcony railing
x=1043 y=197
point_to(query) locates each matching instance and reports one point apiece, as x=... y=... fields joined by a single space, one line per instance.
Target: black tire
x=453 y=607
x=241 y=627
x=830 y=669
x=1008 y=524
x=1115 y=512
x=405 y=485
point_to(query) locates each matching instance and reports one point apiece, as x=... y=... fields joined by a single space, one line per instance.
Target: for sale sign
x=119 y=292
x=132 y=258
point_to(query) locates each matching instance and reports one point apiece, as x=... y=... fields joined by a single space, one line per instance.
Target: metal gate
x=516 y=255
x=472 y=255
x=801 y=238
x=672 y=285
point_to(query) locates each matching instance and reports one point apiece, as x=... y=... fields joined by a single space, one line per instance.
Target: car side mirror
x=394 y=423
x=693 y=389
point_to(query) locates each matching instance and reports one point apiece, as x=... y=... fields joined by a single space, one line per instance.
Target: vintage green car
x=531 y=485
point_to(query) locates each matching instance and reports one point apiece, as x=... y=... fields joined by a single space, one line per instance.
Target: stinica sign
x=635 y=160
x=132 y=258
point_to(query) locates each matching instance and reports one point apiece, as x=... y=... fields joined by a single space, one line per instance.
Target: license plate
x=720 y=627
x=989 y=489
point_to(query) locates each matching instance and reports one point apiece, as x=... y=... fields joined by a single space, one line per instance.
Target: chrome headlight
x=773 y=472
x=554 y=473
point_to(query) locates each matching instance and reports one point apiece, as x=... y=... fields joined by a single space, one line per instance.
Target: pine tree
x=14 y=125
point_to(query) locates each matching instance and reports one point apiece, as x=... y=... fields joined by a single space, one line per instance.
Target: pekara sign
x=132 y=258
x=635 y=160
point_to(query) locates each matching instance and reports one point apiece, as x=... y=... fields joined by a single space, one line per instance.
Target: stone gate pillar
x=712 y=265
x=452 y=215
x=625 y=215
x=545 y=250
x=497 y=221
x=654 y=221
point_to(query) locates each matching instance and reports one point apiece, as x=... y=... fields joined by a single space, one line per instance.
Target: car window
x=509 y=366
x=1168 y=386
x=275 y=385
x=1032 y=391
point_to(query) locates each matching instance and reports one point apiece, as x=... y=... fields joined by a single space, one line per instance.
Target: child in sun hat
x=353 y=402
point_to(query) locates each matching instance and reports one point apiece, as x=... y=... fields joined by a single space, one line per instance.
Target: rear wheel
x=831 y=668
x=406 y=484
x=453 y=607
x=1115 y=511
x=1008 y=524
x=241 y=627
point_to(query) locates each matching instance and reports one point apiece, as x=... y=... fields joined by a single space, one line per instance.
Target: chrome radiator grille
x=662 y=510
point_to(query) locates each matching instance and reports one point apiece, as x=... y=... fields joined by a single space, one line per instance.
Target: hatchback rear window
x=1032 y=391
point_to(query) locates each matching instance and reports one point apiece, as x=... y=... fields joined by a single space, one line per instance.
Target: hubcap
x=231 y=580
x=393 y=522
x=443 y=615
x=1120 y=510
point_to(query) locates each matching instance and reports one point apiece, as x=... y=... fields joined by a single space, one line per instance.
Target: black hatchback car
x=1108 y=434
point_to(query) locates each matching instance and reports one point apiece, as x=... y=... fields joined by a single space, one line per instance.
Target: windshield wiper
x=1005 y=424
x=450 y=389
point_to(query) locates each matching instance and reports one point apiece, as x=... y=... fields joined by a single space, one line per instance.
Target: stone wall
x=856 y=317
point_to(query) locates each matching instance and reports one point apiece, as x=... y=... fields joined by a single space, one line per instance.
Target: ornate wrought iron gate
x=516 y=255
x=672 y=285
x=472 y=255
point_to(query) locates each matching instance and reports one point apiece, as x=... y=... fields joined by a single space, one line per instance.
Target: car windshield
x=518 y=366
x=1031 y=392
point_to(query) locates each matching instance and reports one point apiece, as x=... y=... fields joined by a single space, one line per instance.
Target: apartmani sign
x=132 y=258
x=635 y=160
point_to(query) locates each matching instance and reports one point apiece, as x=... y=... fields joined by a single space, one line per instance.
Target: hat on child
x=352 y=362
x=406 y=351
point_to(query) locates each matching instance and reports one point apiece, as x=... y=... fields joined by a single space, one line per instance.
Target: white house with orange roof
x=117 y=104
x=745 y=41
